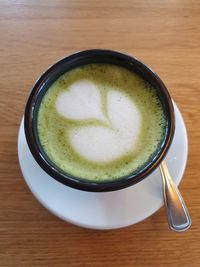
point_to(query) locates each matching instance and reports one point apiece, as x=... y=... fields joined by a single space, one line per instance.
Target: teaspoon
x=177 y=215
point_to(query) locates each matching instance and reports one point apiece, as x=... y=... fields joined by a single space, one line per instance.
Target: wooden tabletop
x=34 y=34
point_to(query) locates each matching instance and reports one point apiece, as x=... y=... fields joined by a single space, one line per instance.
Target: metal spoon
x=176 y=211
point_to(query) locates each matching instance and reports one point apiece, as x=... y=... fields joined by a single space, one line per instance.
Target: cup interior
x=71 y=62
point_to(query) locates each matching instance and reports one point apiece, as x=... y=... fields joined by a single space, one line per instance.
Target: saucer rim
x=116 y=226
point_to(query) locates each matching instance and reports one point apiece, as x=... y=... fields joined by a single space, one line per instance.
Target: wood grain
x=33 y=35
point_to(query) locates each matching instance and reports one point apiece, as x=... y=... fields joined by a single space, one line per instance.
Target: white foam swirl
x=98 y=143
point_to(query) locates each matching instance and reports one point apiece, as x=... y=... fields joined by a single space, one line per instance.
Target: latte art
x=100 y=122
x=80 y=101
x=100 y=143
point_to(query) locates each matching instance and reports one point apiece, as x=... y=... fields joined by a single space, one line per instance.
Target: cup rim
x=70 y=180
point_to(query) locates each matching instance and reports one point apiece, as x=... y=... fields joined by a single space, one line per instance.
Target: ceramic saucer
x=104 y=210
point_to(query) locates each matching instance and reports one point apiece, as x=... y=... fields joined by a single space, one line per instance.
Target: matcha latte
x=100 y=122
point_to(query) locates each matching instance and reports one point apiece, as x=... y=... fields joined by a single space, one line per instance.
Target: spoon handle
x=176 y=211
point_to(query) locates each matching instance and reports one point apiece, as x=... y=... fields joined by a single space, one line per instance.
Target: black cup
x=73 y=61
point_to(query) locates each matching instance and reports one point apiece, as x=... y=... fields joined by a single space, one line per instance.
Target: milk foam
x=100 y=143
x=80 y=101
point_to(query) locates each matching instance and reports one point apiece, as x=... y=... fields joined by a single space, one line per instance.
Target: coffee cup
x=99 y=120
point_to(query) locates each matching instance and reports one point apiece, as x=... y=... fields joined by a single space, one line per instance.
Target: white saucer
x=104 y=210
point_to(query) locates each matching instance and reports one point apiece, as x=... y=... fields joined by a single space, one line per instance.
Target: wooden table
x=33 y=35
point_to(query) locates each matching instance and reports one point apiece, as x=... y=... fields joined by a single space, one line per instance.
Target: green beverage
x=100 y=122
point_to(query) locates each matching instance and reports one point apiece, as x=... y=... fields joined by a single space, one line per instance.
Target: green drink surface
x=100 y=122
